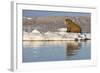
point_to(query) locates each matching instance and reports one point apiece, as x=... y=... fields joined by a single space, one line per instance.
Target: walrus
x=72 y=26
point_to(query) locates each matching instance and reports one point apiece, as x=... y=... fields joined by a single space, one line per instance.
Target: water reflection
x=72 y=48
x=34 y=51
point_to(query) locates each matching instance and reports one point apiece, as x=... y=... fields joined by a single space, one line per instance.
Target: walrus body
x=72 y=26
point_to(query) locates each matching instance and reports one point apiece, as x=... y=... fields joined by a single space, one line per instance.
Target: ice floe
x=61 y=35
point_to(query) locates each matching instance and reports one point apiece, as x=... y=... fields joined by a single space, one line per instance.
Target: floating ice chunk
x=88 y=35
x=35 y=31
x=62 y=33
x=62 y=29
x=26 y=37
x=52 y=36
x=29 y=18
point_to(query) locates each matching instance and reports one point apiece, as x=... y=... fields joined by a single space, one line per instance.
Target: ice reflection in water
x=36 y=51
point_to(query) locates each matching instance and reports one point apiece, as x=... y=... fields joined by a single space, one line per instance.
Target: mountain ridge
x=51 y=23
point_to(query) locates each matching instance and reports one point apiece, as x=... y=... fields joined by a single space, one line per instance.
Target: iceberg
x=35 y=31
x=37 y=35
x=52 y=36
x=29 y=18
x=62 y=29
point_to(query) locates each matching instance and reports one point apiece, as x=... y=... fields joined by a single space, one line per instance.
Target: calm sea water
x=37 y=51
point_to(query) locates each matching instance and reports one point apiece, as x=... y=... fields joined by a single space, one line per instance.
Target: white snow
x=29 y=18
x=36 y=31
x=62 y=29
x=36 y=35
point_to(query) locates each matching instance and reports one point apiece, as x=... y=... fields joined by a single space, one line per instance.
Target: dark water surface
x=37 y=51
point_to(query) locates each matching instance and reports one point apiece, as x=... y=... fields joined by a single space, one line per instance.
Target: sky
x=38 y=13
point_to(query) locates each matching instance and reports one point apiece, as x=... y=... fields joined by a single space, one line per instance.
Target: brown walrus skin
x=72 y=26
